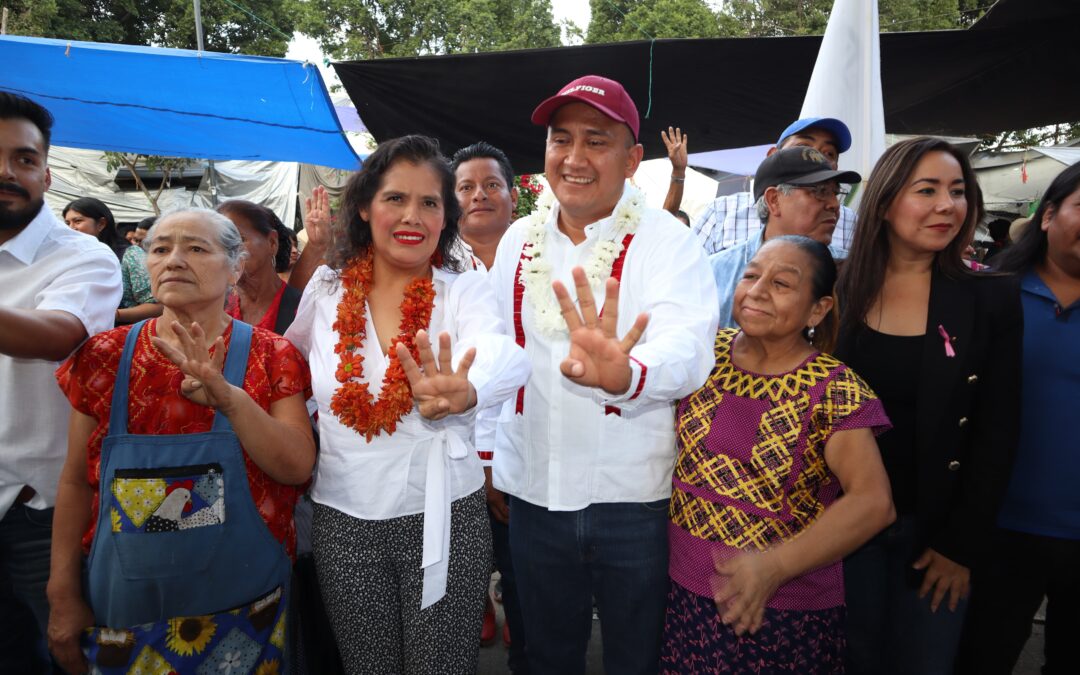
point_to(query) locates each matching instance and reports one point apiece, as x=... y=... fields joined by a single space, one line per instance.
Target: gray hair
x=763 y=208
x=228 y=237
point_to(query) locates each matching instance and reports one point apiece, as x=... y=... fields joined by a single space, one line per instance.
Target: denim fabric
x=25 y=541
x=500 y=544
x=616 y=553
x=889 y=629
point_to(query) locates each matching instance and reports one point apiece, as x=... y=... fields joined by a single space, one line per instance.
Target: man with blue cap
x=732 y=219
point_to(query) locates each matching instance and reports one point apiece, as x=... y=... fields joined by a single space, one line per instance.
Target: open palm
x=438 y=389
x=598 y=358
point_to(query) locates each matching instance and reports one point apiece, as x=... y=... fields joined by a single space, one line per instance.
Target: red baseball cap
x=607 y=96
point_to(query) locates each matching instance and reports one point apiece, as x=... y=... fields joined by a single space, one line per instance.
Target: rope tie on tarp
x=652 y=44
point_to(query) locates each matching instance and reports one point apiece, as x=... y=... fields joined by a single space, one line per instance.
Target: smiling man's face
x=487 y=200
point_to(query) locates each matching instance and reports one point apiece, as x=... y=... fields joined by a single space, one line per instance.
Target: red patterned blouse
x=275 y=371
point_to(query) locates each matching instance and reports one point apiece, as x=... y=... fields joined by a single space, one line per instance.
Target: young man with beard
x=484 y=183
x=59 y=287
x=586 y=448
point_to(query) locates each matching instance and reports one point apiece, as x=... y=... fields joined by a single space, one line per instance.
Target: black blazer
x=967 y=414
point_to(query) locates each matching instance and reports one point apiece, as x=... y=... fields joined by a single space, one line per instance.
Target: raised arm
x=677 y=147
x=317 y=224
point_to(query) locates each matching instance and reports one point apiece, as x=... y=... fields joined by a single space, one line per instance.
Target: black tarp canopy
x=1015 y=68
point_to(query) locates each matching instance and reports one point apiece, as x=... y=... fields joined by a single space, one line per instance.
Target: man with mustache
x=59 y=287
x=484 y=184
x=796 y=191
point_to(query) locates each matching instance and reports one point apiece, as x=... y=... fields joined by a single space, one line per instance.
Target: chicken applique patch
x=168 y=499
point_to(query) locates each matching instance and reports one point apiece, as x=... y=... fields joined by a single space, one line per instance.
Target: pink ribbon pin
x=949 y=351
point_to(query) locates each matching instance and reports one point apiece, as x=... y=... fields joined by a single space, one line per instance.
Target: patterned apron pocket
x=167 y=521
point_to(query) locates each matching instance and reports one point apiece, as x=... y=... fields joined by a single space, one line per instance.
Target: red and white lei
x=536 y=270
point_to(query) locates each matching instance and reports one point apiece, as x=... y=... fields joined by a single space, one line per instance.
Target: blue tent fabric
x=177 y=102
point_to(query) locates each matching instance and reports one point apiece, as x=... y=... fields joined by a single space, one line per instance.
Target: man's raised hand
x=598 y=358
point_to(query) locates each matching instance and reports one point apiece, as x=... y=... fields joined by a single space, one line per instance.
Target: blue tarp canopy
x=177 y=102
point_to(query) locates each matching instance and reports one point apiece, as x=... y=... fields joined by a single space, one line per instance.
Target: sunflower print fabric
x=246 y=640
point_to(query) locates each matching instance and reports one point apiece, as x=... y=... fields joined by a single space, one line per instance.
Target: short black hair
x=13 y=107
x=484 y=150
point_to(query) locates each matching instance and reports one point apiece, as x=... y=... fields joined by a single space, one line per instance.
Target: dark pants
x=889 y=629
x=1009 y=587
x=617 y=553
x=25 y=548
x=500 y=543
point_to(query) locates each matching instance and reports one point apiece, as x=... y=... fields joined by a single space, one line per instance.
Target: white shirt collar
x=24 y=246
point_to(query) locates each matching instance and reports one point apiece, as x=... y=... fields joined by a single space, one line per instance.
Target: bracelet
x=678 y=180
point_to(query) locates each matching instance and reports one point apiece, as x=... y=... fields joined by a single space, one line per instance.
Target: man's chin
x=17 y=219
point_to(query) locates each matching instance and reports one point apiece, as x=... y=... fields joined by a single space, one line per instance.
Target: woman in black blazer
x=940 y=345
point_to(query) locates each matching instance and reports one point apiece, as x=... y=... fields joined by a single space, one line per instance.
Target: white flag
x=846 y=83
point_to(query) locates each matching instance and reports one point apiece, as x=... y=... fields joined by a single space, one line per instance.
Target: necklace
x=352 y=402
x=536 y=270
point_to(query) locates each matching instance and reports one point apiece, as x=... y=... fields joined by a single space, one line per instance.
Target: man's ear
x=48 y=178
x=634 y=159
x=772 y=200
x=771 y=151
x=514 y=195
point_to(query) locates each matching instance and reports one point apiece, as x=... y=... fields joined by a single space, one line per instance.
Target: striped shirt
x=732 y=219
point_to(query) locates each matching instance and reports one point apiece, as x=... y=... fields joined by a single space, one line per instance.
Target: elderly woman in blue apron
x=172 y=541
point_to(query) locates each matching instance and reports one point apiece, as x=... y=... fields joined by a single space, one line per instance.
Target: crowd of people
x=791 y=437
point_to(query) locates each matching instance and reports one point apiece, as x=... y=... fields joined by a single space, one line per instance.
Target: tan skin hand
x=676 y=143
x=437 y=389
x=751 y=580
x=203 y=381
x=67 y=620
x=943 y=576
x=317 y=218
x=496 y=499
x=597 y=357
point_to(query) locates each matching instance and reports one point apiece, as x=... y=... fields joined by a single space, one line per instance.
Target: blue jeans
x=889 y=629
x=615 y=553
x=25 y=548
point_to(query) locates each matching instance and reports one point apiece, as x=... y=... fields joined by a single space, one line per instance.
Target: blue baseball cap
x=832 y=125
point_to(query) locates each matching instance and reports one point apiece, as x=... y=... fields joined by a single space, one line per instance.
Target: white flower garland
x=536 y=273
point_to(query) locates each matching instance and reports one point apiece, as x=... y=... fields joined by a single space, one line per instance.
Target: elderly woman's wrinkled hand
x=317 y=218
x=203 y=381
x=68 y=618
x=437 y=389
x=598 y=358
x=751 y=580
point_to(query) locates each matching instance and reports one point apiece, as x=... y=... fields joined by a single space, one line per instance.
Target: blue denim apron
x=183 y=571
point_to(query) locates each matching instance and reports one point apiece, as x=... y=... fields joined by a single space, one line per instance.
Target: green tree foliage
x=365 y=29
x=642 y=19
x=613 y=20
x=166 y=23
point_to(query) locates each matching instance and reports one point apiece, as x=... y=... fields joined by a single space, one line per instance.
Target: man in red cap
x=586 y=449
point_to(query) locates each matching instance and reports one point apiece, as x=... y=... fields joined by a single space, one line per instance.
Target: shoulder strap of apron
x=118 y=413
x=235 y=365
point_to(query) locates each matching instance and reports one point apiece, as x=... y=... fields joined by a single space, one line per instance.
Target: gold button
x=972 y=379
x=954 y=465
x=963 y=421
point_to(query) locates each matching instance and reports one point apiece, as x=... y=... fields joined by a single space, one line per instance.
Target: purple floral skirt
x=789 y=641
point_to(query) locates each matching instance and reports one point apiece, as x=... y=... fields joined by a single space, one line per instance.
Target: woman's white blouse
x=423 y=465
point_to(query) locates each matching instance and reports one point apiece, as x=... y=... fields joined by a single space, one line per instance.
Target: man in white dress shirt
x=59 y=287
x=587 y=447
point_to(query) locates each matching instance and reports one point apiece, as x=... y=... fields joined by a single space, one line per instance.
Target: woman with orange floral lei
x=401 y=539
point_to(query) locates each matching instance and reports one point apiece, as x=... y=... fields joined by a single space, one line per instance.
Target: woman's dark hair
x=822 y=284
x=264 y=221
x=146 y=223
x=1030 y=249
x=96 y=209
x=354 y=233
x=863 y=272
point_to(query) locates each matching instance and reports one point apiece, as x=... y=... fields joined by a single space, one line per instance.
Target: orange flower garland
x=352 y=402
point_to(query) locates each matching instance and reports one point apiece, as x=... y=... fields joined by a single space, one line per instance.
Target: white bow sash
x=445 y=446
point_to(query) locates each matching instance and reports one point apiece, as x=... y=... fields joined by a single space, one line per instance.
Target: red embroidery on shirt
x=519 y=330
x=616 y=274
